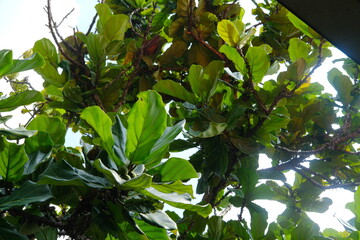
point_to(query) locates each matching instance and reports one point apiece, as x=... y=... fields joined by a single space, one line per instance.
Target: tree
x=152 y=70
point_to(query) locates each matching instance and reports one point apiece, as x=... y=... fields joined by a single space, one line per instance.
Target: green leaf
x=159 y=219
x=63 y=174
x=47 y=233
x=110 y=174
x=214 y=129
x=302 y=26
x=102 y=124
x=174 y=89
x=20 y=99
x=12 y=160
x=298 y=49
x=104 y=12
x=342 y=85
x=53 y=126
x=357 y=208
x=4 y=119
x=17 y=133
x=258 y=221
x=182 y=7
x=246 y=145
x=216 y=228
x=40 y=142
x=115 y=27
x=177 y=186
x=259 y=63
x=119 y=133
x=305 y=230
x=232 y=54
x=34 y=61
x=96 y=45
x=203 y=81
x=178 y=200
x=47 y=50
x=140 y=182
x=169 y=170
x=319 y=205
x=26 y=194
x=228 y=32
x=50 y=74
x=146 y=124
x=8 y=231
x=161 y=145
x=150 y=232
x=5 y=61
x=38 y=149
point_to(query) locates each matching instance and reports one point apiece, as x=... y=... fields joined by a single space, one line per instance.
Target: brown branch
x=258 y=100
x=198 y=37
x=66 y=16
x=91 y=24
x=51 y=27
x=325 y=187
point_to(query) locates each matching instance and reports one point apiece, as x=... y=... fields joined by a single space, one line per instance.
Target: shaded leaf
x=27 y=193
x=159 y=219
x=17 y=133
x=119 y=133
x=62 y=173
x=8 y=231
x=214 y=129
x=178 y=200
x=305 y=230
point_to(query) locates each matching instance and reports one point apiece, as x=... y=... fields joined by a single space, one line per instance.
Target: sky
x=22 y=22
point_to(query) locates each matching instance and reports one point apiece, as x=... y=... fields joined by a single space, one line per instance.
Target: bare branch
x=66 y=16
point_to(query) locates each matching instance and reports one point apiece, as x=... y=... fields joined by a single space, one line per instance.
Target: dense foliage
x=147 y=71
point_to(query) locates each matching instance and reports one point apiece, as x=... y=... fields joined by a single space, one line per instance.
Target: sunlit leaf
x=232 y=54
x=53 y=126
x=228 y=32
x=161 y=145
x=259 y=63
x=102 y=124
x=169 y=170
x=47 y=49
x=12 y=160
x=174 y=89
x=298 y=49
x=146 y=124
x=20 y=99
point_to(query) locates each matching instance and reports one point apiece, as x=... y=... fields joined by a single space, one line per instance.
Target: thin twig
x=66 y=16
x=51 y=27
